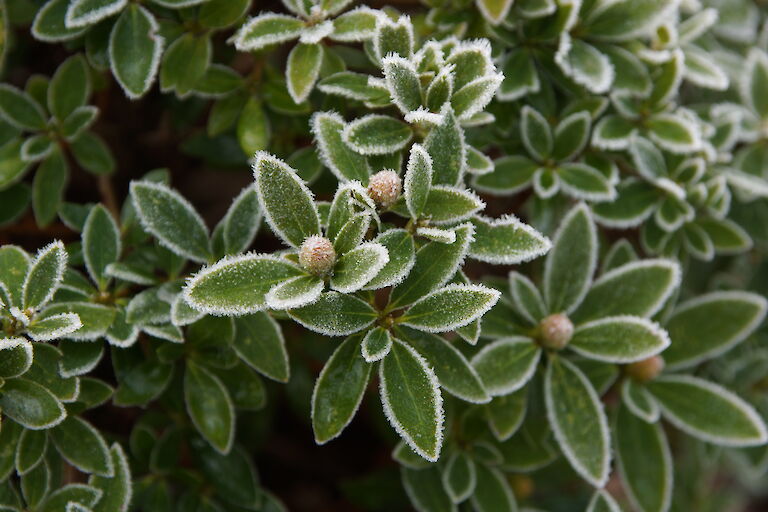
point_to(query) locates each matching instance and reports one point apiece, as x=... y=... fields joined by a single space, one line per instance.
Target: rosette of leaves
x=43 y=125
x=555 y=162
x=311 y=23
x=127 y=38
x=597 y=321
x=417 y=264
x=701 y=329
x=682 y=204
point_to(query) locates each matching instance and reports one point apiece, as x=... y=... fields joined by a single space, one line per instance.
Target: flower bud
x=384 y=188
x=317 y=255
x=647 y=369
x=556 y=331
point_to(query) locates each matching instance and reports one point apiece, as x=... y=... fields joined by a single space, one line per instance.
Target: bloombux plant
x=512 y=255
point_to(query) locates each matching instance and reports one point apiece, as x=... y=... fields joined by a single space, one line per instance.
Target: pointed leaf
x=376 y=344
x=536 y=133
x=619 y=339
x=376 y=134
x=342 y=161
x=425 y=490
x=302 y=70
x=101 y=244
x=447 y=147
x=335 y=314
x=209 y=407
x=295 y=292
x=117 y=490
x=459 y=477
x=450 y=307
x=31 y=405
x=506 y=365
x=266 y=29
x=506 y=241
x=357 y=267
x=135 y=47
x=44 y=275
x=259 y=342
x=418 y=178
x=83 y=447
x=492 y=492
x=401 y=249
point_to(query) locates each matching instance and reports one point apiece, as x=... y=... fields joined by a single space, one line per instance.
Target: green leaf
x=295 y=292
x=536 y=134
x=459 y=477
x=81 y=494
x=418 y=178
x=448 y=149
x=210 y=407
x=135 y=47
x=69 y=88
x=582 y=181
x=352 y=233
x=78 y=121
x=492 y=492
x=447 y=205
x=637 y=288
x=403 y=82
x=393 y=36
x=31 y=405
x=674 y=133
x=185 y=62
x=401 y=249
x=339 y=390
x=475 y=96
x=376 y=134
x=30 y=450
x=259 y=342
x=578 y=421
x=82 y=13
x=450 y=307
x=648 y=160
x=49 y=25
x=222 y=13
x=471 y=59
x=95 y=318
x=241 y=223
x=36 y=485
x=520 y=76
x=171 y=219
x=451 y=368
x=628 y=19
x=571 y=262
x=631 y=76
x=16 y=357
x=335 y=314
x=506 y=241
x=253 y=127
x=356 y=25
x=79 y=358
x=117 y=490
x=494 y=10
x=709 y=325
x=356 y=86
x=644 y=460
x=619 y=339
x=727 y=236
x=53 y=326
x=302 y=70
x=237 y=285
x=411 y=399
x=511 y=174
x=20 y=110
x=344 y=163
x=376 y=344
x=436 y=263
x=425 y=490
x=505 y=413
x=708 y=411
x=101 y=244
x=36 y=147
x=93 y=154
x=44 y=275
x=287 y=203
x=602 y=502
x=82 y=446
x=584 y=64
x=571 y=135
x=639 y=401
x=48 y=187
x=755 y=81
x=636 y=201
x=266 y=29
x=506 y=365
x=526 y=298
x=358 y=266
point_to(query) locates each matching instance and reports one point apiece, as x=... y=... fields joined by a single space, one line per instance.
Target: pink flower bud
x=556 y=331
x=317 y=255
x=647 y=369
x=385 y=187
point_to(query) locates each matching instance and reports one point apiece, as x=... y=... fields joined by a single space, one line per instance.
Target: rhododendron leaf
x=336 y=155
x=505 y=413
x=447 y=147
x=376 y=344
x=358 y=266
x=135 y=47
x=526 y=298
x=335 y=314
x=266 y=29
x=101 y=244
x=536 y=134
x=44 y=275
x=294 y=292
x=492 y=491
x=425 y=489
x=303 y=69
x=447 y=308
x=376 y=134
x=210 y=406
x=619 y=339
x=116 y=490
x=446 y=204
x=507 y=364
x=639 y=401
x=16 y=357
x=83 y=446
x=403 y=82
x=506 y=241
x=31 y=405
x=402 y=257
x=418 y=178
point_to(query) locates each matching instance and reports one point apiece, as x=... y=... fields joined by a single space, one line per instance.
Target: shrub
x=533 y=228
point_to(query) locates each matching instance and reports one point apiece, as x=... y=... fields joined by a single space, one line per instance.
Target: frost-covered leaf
x=435 y=264
x=505 y=413
x=352 y=233
x=359 y=24
x=639 y=401
x=619 y=339
x=393 y=36
x=335 y=314
x=294 y=292
x=95 y=318
x=754 y=82
x=135 y=47
x=454 y=306
x=636 y=201
x=185 y=63
x=582 y=181
x=336 y=155
x=526 y=298
x=403 y=82
x=83 y=446
x=356 y=86
x=631 y=75
x=411 y=399
x=287 y=203
x=444 y=236
x=447 y=147
x=709 y=325
x=339 y=390
x=44 y=275
x=241 y=222
x=425 y=489
x=506 y=240
x=475 y=96
x=645 y=462
x=302 y=70
x=376 y=134
x=459 y=476
x=584 y=63
x=81 y=494
x=20 y=110
x=209 y=406
x=578 y=421
x=571 y=135
x=31 y=405
x=259 y=342
x=54 y=327
x=703 y=71
x=171 y=219
x=708 y=411
x=376 y=344
x=401 y=249
x=627 y=19
x=506 y=365
x=49 y=24
x=536 y=133
x=266 y=29
x=494 y=10
x=82 y=13
x=727 y=236
x=674 y=133
x=452 y=369
x=447 y=204
x=520 y=76
x=116 y=490
x=358 y=266
x=637 y=288
x=237 y=285
x=492 y=492
x=101 y=244
x=571 y=262
x=418 y=179
x=16 y=357
x=602 y=502
x=510 y=175
x=69 y=88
